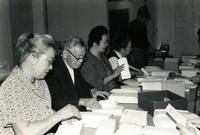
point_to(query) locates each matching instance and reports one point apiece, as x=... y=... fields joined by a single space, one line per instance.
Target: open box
x=149 y=101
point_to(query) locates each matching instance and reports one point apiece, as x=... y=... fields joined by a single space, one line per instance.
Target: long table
x=91 y=131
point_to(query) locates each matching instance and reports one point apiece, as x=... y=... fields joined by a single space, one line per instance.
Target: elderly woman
x=97 y=70
x=25 y=103
x=121 y=47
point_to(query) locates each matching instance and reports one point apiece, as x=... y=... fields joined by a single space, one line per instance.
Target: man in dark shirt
x=138 y=32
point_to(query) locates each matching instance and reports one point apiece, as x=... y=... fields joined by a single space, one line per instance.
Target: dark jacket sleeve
x=84 y=88
x=61 y=89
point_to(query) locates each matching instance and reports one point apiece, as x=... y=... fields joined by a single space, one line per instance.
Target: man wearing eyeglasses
x=65 y=81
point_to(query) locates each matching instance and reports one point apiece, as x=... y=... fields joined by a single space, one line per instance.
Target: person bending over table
x=121 y=47
x=65 y=81
x=97 y=70
x=25 y=101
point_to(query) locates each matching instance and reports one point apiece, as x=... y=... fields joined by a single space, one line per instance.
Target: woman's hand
x=118 y=70
x=195 y=122
x=186 y=130
x=68 y=112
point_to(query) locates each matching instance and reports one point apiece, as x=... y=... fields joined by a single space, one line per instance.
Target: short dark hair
x=96 y=35
x=143 y=12
x=120 y=40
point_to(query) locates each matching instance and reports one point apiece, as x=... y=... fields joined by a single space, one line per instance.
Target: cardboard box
x=175 y=86
x=149 y=101
x=172 y=64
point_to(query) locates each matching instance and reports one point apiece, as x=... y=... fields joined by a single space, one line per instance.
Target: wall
x=39 y=16
x=177 y=23
x=21 y=20
x=6 y=53
x=75 y=17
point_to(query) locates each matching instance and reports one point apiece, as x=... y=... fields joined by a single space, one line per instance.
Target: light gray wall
x=75 y=18
x=177 y=22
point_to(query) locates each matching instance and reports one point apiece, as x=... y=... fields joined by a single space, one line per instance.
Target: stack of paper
x=186 y=80
x=151 y=130
x=186 y=66
x=124 y=97
x=163 y=121
x=129 y=129
x=66 y=129
x=124 y=90
x=194 y=61
x=186 y=57
x=130 y=87
x=106 y=127
x=109 y=106
x=190 y=72
x=152 y=85
x=151 y=79
x=162 y=73
x=92 y=119
x=177 y=87
x=150 y=69
x=134 y=116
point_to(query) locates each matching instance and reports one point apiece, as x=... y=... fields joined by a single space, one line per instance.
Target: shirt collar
x=118 y=54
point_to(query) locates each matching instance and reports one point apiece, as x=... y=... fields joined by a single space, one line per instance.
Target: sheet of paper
x=151 y=130
x=106 y=127
x=92 y=119
x=126 y=72
x=124 y=90
x=134 y=116
x=164 y=121
x=110 y=103
x=161 y=73
x=178 y=117
x=156 y=85
x=124 y=97
x=115 y=111
x=134 y=88
x=66 y=129
x=129 y=130
x=145 y=72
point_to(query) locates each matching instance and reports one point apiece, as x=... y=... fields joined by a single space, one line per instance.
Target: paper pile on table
x=92 y=119
x=106 y=127
x=124 y=96
x=66 y=129
x=109 y=106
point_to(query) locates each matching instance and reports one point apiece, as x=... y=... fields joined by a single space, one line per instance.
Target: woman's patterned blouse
x=21 y=100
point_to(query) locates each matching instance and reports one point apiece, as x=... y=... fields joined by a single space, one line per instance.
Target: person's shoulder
x=112 y=53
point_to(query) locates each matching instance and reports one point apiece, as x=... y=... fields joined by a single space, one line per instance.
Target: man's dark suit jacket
x=62 y=89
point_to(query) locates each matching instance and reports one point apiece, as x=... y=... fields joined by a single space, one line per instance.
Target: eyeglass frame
x=49 y=59
x=78 y=59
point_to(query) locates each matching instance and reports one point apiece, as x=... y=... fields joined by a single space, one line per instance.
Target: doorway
x=118 y=21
